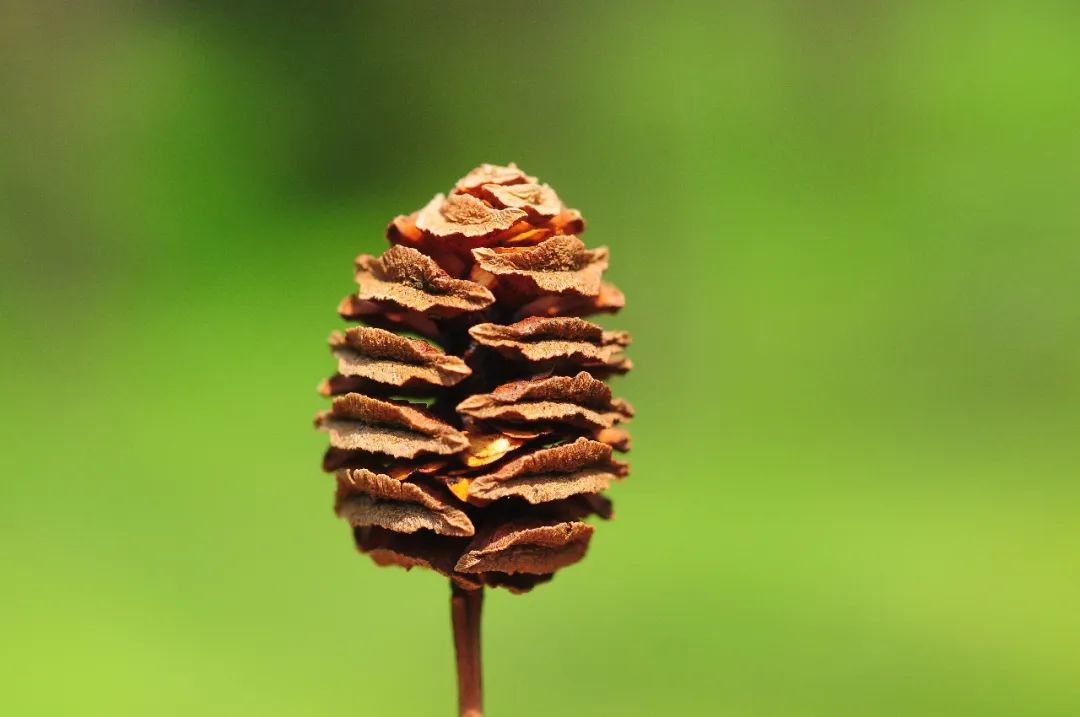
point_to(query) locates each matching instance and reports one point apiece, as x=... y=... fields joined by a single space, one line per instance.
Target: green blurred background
x=848 y=234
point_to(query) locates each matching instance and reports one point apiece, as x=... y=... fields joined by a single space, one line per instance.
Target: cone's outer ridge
x=479 y=449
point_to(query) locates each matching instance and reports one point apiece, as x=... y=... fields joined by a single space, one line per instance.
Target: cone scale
x=471 y=429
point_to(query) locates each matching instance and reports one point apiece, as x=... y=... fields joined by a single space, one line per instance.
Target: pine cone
x=488 y=473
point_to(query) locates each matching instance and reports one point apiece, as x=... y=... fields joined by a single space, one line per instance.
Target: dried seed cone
x=471 y=431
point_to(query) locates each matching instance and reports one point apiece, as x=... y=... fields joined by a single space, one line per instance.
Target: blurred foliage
x=848 y=233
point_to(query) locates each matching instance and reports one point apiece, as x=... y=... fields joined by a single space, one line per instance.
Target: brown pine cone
x=478 y=450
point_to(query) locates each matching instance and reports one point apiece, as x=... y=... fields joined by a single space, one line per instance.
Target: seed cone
x=478 y=449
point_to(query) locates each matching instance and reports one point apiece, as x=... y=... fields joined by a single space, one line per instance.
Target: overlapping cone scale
x=360 y=423
x=526 y=546
x=471 y=429
x=373 y=357
x=579 y=401
x=549 y=474
x=556 y=344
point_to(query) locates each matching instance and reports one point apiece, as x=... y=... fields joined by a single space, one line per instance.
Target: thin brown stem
x=465 y=608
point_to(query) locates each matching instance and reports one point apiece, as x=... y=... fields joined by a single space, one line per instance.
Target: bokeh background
x=850 y=240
